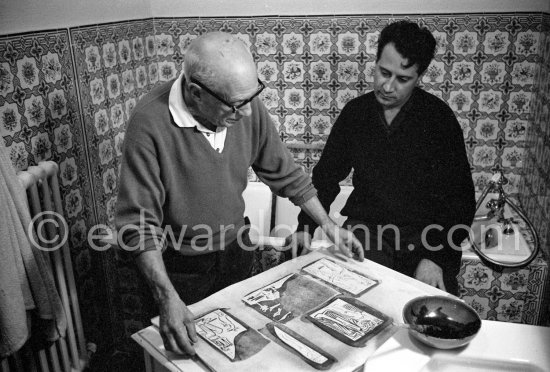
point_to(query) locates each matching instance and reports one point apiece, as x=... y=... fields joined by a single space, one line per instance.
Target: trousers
x=197 y=277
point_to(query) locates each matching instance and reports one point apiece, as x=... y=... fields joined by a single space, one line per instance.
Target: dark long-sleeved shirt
x=412 y=173
x=173 y=182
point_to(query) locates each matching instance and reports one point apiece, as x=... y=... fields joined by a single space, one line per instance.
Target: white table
x=499 y=346
x=389 y=297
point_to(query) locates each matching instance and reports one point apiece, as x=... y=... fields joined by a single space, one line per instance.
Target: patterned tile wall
x=40 y=119
x=116 y=65
x=535 y=185
x=114 y=69
x=509 y=295
x=484 y=68
x=488 y=67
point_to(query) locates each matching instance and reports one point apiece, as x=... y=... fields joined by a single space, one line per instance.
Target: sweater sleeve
x=453 y=190
x=333 y=167
x=139 y=213
x=274 y=164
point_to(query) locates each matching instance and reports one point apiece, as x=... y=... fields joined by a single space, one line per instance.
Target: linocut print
x=349 y=320
x=340 y=277
x=229 y=336
x=288 y=297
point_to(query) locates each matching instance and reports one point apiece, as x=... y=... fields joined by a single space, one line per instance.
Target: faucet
x=496 y=206
x=496 y=211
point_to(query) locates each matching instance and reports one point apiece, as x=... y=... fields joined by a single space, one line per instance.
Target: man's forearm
x=152 y=266
x=315 y=210
x=342 y=238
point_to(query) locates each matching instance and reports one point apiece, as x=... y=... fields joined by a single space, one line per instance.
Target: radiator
x=68 y=353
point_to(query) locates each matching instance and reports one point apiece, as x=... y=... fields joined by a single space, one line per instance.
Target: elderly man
x=187 y=149
x=413 y=196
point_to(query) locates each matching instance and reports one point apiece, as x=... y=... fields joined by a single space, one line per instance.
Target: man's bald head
x=217 y=58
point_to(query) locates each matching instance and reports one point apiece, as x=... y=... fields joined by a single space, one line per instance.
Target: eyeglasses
x=233 y=108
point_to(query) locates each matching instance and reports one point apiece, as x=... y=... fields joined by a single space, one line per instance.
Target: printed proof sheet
x=340 y=277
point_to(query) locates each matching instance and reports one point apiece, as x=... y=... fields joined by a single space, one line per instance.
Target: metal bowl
x=441 y=322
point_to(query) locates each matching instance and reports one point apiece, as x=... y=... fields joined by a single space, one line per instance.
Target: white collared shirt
x=184 y=119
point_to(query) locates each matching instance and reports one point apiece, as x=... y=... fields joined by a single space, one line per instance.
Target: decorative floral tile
x=487 y=129
x=514 y=281
x=479 y=304
x=478 y=277
x=515 y=130
x=484 y=156
x=512 y=157
x=496 y=42
x=461 y=72
x=510 y=310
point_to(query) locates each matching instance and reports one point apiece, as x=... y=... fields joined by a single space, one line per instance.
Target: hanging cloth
x=27 y=287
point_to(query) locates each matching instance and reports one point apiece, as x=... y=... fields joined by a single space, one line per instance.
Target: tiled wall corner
x=40 y=119
x=510 y=295
x=535 y=185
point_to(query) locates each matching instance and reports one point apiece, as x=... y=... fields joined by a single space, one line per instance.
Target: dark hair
x=414 y=43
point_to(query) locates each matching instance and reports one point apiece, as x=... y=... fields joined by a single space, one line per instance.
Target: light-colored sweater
x=180 y=185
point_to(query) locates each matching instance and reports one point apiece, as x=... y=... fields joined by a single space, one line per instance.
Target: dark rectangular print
x=349 y=320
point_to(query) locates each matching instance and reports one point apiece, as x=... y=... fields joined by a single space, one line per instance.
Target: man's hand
x=430 y=273
x=177 y=326
x=176 y=322
x=345 y=241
